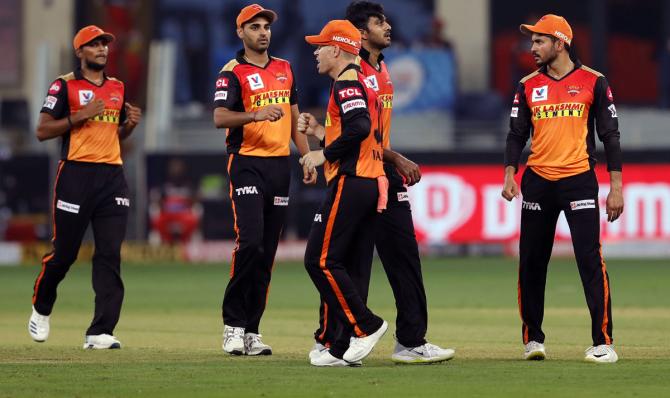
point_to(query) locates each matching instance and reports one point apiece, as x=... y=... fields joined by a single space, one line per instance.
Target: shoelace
x=233 y=332
x=255 y=338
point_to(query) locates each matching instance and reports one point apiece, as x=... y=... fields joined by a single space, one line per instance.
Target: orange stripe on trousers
x=237 y=230
x=606 y=291
x=325 y=321
x=324 y=255
x=53 y=239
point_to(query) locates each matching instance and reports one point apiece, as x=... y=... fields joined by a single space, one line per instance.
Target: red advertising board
x=462 y=204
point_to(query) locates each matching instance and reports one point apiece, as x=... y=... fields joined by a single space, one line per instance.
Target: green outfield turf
x=171 y=332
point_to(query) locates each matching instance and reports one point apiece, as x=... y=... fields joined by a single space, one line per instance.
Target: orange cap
x=251 y=11
x=89 y=33
x=550 y=24
x=338 y=32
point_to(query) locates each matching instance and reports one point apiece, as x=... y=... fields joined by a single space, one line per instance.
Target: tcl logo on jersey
x=122 y=202
x=85 y=96
x=349 y=92
x=583 y=204
x=246 y=190
x=516 y=98
x=371 y=82
x=317 y=217
x=530 y=206
x=55 y=88
x=609 y=94
x=255 y=81
x=540 y=94
x=221 y=82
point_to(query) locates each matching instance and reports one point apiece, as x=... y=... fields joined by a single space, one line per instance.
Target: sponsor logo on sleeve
x=583 y=204
x=221 y=82
x=403 y=197
x=85 y=96
x=353 y=104
x=255 y=81
x=55 y=87
x=349 y=92
x=540 y=94
x=221 y=95
x=609 y=94
x=515 y=111
x=317 y=217
x=50 y=102
x=68 y=207
x=281 y=200
x=516 y=99
x=612 y=109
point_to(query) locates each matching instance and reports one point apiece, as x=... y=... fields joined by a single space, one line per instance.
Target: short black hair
x=360 y=12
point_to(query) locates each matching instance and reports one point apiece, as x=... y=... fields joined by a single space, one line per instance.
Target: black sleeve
x=607 y=123
x=227 y=91
x=56 y=102
x=123 y=116
x=355 y=121
x=519 y=127
x=294 y=89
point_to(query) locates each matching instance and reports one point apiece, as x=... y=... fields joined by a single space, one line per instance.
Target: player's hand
x=408 y=170
x=133 y=114
x=92 y=109
x=510 y=189
x=307 y=124
x=270 y=112
x=312 y=160
x=614 y=204
x=309 y=175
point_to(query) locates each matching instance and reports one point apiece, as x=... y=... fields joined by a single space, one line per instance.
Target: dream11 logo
x=441 y=203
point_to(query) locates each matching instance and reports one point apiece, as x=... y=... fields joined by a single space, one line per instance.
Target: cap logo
x=346 y=40
x=562 y=36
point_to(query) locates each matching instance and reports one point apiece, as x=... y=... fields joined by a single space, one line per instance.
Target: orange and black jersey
x=245 y=87
x=353 y=141
x=379 y=79
x=562 y=115
x=97 y=140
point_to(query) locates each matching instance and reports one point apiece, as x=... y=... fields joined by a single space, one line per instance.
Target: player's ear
x=78 y=52
x=240 y=32
x=364 y=34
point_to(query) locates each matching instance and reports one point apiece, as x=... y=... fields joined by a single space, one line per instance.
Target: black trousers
x=86 y=193
x=259 y=197
x=338 y=258
x=398 y=250
x=543 y=200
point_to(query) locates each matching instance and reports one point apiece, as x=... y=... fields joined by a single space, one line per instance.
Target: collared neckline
x=543 y=70
x=365 y=56
x=239 y=56
x=79 y=75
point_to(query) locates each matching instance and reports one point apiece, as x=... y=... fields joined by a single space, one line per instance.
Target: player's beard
x=550 y=58
x=95 y=66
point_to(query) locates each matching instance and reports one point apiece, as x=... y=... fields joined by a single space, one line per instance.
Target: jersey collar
x=239 y=56
x=543 y=69
x=365 y=56
x=79 y=75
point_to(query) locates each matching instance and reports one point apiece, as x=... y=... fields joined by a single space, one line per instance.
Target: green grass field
x=171 y=334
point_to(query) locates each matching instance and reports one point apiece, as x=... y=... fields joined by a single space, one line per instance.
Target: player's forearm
x=616 y=181
x=390 y=156
x=300 y=141
x=48 y=129
x=510 y=171
x=224 y=118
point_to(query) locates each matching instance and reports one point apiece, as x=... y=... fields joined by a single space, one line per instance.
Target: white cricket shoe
x=423 y=354
x=603 y=353
x=38 y=326
x=233 y=340
x=534 y=351
x=326 y=359
x=101 y=342
x=253 y=345
x=317 y=350
x=360 y=347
